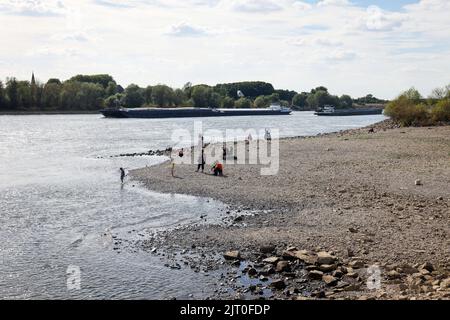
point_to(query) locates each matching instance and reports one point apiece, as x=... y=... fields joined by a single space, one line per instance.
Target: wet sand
x=355 y=194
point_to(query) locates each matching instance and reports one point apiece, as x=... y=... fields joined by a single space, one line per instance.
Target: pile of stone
x=299 y=274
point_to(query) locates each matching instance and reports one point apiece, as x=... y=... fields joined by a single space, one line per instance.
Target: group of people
x=217 y=166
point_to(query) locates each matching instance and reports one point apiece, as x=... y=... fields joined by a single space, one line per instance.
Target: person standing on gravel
x=201 y=161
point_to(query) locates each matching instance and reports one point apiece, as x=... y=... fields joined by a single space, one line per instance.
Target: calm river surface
x=61 y=201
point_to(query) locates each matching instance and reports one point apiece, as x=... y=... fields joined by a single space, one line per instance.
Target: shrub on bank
x=409 y=109
x=441 y=112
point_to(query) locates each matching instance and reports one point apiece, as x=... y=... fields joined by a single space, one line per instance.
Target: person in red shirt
x=218 y=169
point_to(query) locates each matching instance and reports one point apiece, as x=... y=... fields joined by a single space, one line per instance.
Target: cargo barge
x=331 y=111
x=191 y=112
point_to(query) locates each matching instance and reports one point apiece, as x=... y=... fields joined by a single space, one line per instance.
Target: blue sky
x=350 y=46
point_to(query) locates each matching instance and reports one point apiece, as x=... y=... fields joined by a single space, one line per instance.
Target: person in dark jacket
x=122 y=175
x=201 y=161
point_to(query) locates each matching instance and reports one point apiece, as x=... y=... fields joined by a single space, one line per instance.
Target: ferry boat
x=331 y=111
x=192 y=112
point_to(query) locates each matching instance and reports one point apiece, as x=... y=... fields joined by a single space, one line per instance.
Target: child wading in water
x=172 y=161
x=122 y=175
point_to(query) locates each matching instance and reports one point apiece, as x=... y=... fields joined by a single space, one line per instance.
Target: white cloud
x=259 y=6
x=315 y=41
x=72 y=36
x=300 y=5
x=184 y=29
x=32 y=7
x=323 y=3
x=339 y=55
x=380 y=20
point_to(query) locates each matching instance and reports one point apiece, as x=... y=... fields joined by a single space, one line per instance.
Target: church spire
x=33 y=80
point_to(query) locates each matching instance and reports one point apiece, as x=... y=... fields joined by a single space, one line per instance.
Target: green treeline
x=94 y=92
x=411 y=109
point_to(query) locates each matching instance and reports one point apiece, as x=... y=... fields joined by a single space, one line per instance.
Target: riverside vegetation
x=94 y=92
x=411 y=109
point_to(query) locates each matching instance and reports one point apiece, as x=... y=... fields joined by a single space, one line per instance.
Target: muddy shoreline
x=365 y=197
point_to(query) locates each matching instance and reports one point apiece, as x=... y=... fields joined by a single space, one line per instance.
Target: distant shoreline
x=26 y=113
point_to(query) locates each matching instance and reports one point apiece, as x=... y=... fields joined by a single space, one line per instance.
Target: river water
x=62 y=205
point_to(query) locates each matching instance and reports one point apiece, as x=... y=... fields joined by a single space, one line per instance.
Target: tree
x=201 y=95
x=111 y=89
x=3 y=102
x=274 y=98
x=102 y=79
x=441 y=111
x=321 y=88
x=187 y=88
x=12 y=93
x=179 y=97
x=250 y=89
x=317 y=99
x=51 y=95
x=408 y=110
x=134 y=97
x=345 y=101
x=81 y=96
x=148 y=95
x=90 y=96
x=413 y=95
x=214 y=100
x=286 y=95
x=262 y=102
x=54 y=80
x=115 y=101
x=162 y=95
x=322 y=98
x=227 y=102
x=243 y=103
x=24 y=94
x=299 y=101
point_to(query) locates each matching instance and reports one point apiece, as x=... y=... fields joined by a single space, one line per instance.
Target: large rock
x=232 y=255
x=393 y=275
x=427 y=266
x=327 y=267
x=271 y=260
x=282 y=266
x=329 y=280
x=301 y=255
x=315 y=274
x=356 y=264
x=445 y=284
x=278 y=284
x=305 y=257
x=325 y=258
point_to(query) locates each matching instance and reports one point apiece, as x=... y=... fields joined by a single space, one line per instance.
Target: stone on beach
x=282 y=266
x=232 y=255
x=325 y=258
x=329 y=280
x=278 y=284
x=315 y=274
x=271 y=260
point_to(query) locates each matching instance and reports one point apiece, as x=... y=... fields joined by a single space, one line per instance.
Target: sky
x=352 y=47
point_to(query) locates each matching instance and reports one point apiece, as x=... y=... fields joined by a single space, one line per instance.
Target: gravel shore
x=379 y=197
